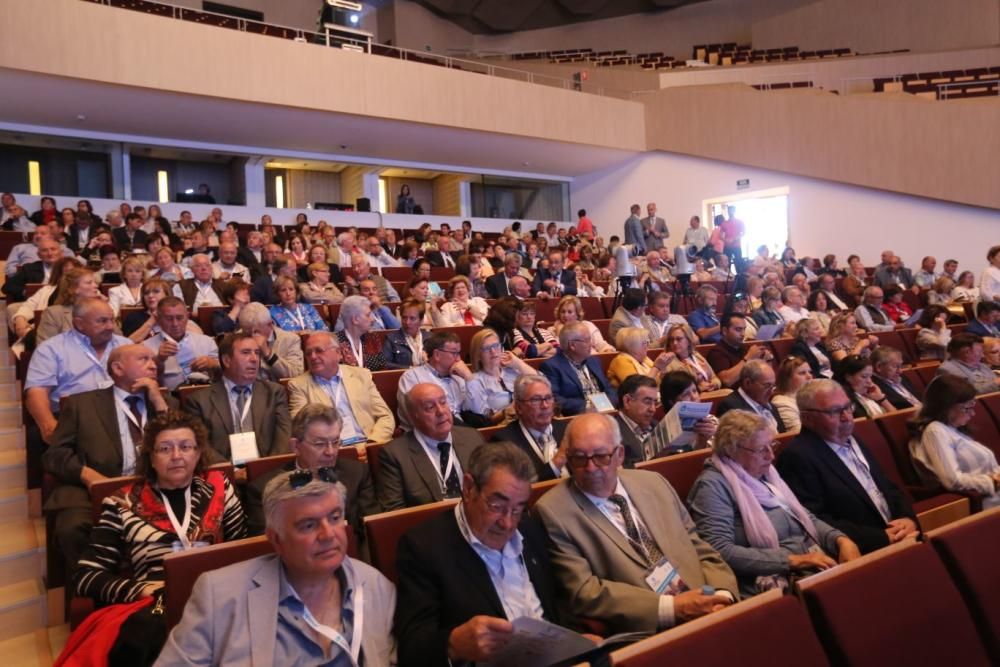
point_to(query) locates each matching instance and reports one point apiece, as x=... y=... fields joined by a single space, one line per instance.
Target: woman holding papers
x=681 y=387
x=744 y=509
x=681 y=341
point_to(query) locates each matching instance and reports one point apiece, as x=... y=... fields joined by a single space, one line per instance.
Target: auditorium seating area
x=950 y=85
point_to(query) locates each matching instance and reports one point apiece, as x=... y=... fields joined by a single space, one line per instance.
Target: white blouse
x=946 y=455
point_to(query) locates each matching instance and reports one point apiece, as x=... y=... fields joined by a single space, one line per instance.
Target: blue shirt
x=177 y=369
x=294 y=645
x=334 y=388
x=703 y=319
x=303 y=318
x=68 y=364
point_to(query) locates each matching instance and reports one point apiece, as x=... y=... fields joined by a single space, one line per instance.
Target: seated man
x=965 y=360
x=577 y=379
x=465 y=574
x=315 y=441
x=246 y=417
x=827 y=283
x=660 y=317
x=534 y=431
x=835 y=477
x=426 y=464
x=703 y=319
x=520 y=288
x=377 y=254
x=870 y=315
x=361 y=272
x=554 y=281
x=298 y=606
x=887 y=364
x=925 y=277
x=227 y=267
x=274 y=267
x=252 y=255
x=756 y=386
x=444 y=367
x=362 y=410
x=498 y=285
x=202 y=289
x=987 y=322
x=97 y=437
x=632 y=313
x=38 y=270
x=637 y=401
x=71 y=362
x=280 y=350
x=894 y=273
x=622 y=544
x=180 y=353
x=730 y=354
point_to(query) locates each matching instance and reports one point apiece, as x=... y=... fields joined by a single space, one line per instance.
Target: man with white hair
x=202 y=289
x=309 y=603
x=534 y=430
x=227 y=266
x=377 y=255
x=341 y=253
x=870 y=315
x=280 y=351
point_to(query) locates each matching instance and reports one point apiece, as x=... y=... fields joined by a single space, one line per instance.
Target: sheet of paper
x=681 y=421
x=537 y=643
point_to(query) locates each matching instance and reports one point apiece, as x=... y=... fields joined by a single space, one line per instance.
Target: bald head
x=129 y=363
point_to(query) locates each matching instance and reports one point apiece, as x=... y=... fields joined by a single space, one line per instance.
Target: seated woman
x=76 y=283
x=236 y=295
x=854 y=373
x=680 y=341
x=296 y=249
x=358 y=345
x=633 y=345
x=418 y=289
x=291 y=315
x=701 y=274
x=317 y=255
x=502 y=319
x=809 y=347
x=675 y=387
x=570 y=309
x=743 y=508
x=966 y=290
x=461 y=309
x=943 y=450
x=422 y=270
x=472 y=269
x=940 y=293
x=489 y=393
x=166 y=268
x=934 y=335
x=44 y=297
x=176 y=505
x=530 y=342
x=819 y=309
x=843 y=340
x=404 y=347
x=129 y=293
x=894 y=306
x=768 y=312
x=793 y=373
x=319 y=288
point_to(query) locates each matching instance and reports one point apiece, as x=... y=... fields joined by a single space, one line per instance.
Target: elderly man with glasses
x=577 y=379
x=444 y=368
x=835 y=477
x=623 y=547
x=754 y=394
x=534 y=430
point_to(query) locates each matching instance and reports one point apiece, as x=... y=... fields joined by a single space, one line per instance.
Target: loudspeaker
x=364 y=205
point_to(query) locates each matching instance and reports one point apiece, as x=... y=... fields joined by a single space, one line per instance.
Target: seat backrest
x=913 y=375
x=895 y=607
x=770 y=625
x=205 y=315
x=266 y=464
x=681 y=470
x=372 y=450
x=384 y=530
x=538 y=490
x=896 y=434
x=968 y=548
x=464 y=333
x=387 y=382
x=104 y=488
x=182 y=569
x=984 y=429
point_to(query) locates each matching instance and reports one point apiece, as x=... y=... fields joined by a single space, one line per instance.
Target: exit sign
x=743 y=184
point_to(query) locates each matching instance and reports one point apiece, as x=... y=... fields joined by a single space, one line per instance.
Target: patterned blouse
x=303 y=318
x=371 y=350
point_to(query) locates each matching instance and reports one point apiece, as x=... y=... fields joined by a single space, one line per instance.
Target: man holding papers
x=467 y=573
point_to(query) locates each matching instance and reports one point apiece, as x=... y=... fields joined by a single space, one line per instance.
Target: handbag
x=95 y=639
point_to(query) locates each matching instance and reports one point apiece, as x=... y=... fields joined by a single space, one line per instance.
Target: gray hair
x=699 y=296
x=871 y=290
x=343 y=236
x=354 y=306
x=523 y=382
x=512 y=257
x=200 y=257
x=312 y=413
x=753 y=370
x=884 y=353
x=736 y=428
x=84 y=306
x=805 y=399
x=279 y=491
x=254 y=314
x=571 y=329
x=487 y=458
x=787 y=292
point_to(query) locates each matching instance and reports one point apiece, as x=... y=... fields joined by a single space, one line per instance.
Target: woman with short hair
x=570 y=309
x=792 y=374
x=489 y=393
x=461 y=309
x=319 y=288
x=632 y=359
x=681 y=341
x=289 y=313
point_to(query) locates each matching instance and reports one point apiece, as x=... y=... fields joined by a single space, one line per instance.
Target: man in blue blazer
x=986 y=322
x=570 y=366
x=633 y=232
x=554 y=281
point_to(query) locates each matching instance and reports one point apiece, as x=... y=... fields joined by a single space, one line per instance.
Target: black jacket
x=32 y=272
x=397 y=351
x=512 y=433
x=736 y=402
x=895 y=398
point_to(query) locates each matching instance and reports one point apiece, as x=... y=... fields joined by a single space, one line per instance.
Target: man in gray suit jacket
x=255 y=612
x=225 y=413
x=654 y=229
x=425 y=465
x=623 y=545
x=633 y=232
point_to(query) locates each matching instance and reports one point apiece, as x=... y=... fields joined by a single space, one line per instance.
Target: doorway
x=764 y=214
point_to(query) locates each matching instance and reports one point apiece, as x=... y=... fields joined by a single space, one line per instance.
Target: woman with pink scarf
x=750 y=516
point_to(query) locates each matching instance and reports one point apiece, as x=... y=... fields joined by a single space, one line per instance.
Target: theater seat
x=681 y=470
x=384 y=530
x=969 y=550
x=897 y=606
x=769 y=629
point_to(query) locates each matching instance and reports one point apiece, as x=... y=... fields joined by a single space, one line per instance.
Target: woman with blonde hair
x=941 y=292
x=489 y=393
x=633 y=344
x=319 y=288
x=842 y=339
x=681 y=342
x=793 y=373
x=75 y=284
x=570 y=309
x=129 y=293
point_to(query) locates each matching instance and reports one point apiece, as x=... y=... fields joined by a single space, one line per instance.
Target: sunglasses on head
x=300 y=478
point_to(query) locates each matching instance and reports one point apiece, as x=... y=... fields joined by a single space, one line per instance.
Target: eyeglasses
x=537 y=401
x=578 y=340
x=580 y=460
x=453 y=353
x=832 y=412
x=323 y=445
x=761 y=451
x=501 y=508
x=648 y=401
x=300 y=478
x=492 y=347
x=184 y=447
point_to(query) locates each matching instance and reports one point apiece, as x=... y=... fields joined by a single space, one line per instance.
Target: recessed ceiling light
x=81 y=116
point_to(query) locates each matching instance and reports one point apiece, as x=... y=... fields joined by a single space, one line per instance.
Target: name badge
x=353 y=440
x=663 y=578
x=178 y=546
x=243 y=447
x=601 y=402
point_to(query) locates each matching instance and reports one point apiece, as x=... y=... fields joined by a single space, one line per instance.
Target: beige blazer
x=290 y=361
x=370 y=409
x=602 y=576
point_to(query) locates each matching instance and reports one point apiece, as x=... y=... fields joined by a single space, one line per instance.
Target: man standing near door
x=654 y=229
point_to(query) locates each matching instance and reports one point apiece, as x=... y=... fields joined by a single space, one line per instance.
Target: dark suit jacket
x=566 y=384
x=496 y=285
x=436 y=259
x=894 y=396
x=73 y=237
x=268 y=414
x=801 y=350
x=122 y=242
x=355 y=476
x=633 y=448
x=190 y=291
x=828 y=489
x=736 y=402
x=246 y=257
x=512 y=433
x=443 y=583
x=263 y=291
x=567 y=278
x=87 y=435
x=406 y=477
x=978 y=328
x=397 y=351
x=32 y=272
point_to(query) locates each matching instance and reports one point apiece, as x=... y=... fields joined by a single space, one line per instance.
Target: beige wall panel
x=305 y=187
x=448 y=194
x=352 y=184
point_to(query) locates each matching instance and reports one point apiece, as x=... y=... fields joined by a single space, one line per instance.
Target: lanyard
x=298 y=317
x=91 y=354
x=246 y=409
x=336 y=395
x=534 y=444
x=180 y=528
x=693 y=363
x=354 y=649
x=356 y=351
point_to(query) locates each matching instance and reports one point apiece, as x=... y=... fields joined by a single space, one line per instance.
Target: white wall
x=823 y=216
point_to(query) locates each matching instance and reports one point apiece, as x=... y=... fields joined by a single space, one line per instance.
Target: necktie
x=467 y=317
x=864 y=475
x=452 y=487
x=640 y=539
x=134 y=428
x=241 y=403
x=548 y=444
